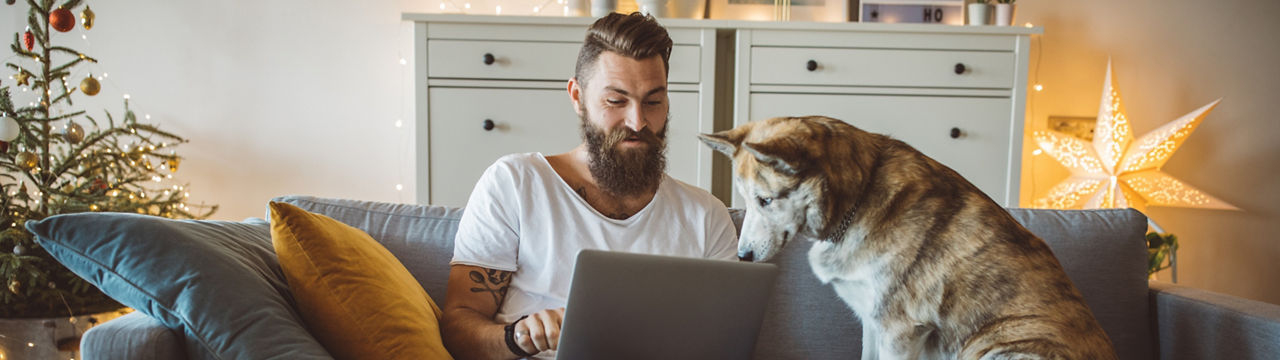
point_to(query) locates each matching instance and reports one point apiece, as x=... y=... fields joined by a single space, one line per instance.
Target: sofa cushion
x=217 y=282
x=420 y=236
x=353 y=294
x=1102 y=251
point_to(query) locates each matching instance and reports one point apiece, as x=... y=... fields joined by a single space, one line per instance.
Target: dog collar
x=844 y=227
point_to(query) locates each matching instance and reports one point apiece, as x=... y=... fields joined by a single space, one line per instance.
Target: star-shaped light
x=1115 y=171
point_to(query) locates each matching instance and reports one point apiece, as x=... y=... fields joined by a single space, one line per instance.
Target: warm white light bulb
x=441 y=6
x=1039 y=87
x=1037 y=152
x=399 y=187
x=403 y=61
x=466 y=6
x=499 y=9
x=399 y=123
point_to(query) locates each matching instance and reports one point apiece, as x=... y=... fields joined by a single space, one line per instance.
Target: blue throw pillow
x=216 y=281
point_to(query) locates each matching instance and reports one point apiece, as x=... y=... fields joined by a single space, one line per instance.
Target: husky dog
x=933 y=268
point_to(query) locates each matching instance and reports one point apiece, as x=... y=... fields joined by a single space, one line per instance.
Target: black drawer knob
x=960 y=68
x=488 y=59
x=488 y=125
x=955 y=133
x=812 y=65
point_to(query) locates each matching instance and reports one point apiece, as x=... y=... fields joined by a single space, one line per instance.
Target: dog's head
x=797 y=175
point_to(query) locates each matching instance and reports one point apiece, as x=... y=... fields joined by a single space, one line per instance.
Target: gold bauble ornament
x=74 y=133
x=90 y=86
x=172 y=163
x=15 y=287
x=87 y=17
x=27 y=161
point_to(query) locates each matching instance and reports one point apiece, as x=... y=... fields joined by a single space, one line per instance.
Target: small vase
x=656 y=8
x=600 y=8
x=1004 y=14
x=979 y=14
x=577 y=7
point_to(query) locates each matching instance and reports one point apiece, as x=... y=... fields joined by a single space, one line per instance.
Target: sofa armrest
x=1197 y=324
x=133 y=336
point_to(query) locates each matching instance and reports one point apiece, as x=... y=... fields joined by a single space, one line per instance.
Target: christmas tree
x=50 y=164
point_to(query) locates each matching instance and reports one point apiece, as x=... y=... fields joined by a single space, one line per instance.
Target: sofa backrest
x=1103 y=252
x=421 y=237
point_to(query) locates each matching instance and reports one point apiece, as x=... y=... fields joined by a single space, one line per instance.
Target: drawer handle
x=960 y=68
x=488 y=125
x=812 y=65
x=955 y=133
x=488 y=59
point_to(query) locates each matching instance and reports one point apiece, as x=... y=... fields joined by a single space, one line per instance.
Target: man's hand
x=540 y=331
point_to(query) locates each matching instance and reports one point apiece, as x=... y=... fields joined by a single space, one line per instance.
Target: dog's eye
x=764 y=201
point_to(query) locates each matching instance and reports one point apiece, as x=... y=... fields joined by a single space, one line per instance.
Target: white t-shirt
x=523 y=217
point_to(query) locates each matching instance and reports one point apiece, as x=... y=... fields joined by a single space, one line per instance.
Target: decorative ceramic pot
x=979 y=14
x=1004 y=14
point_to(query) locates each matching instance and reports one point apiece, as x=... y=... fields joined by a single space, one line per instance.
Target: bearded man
x=530 y=214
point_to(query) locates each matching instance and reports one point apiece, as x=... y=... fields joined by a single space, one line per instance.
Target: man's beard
x=624 y=172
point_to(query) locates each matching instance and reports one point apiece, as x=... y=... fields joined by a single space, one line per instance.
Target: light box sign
x=916 y=12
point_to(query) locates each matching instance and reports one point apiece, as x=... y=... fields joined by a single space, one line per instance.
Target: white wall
x=300 y=97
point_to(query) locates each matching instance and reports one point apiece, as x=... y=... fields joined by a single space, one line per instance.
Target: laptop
x=637 y=306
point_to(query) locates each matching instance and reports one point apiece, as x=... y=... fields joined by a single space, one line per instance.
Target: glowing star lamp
x=1116 y=171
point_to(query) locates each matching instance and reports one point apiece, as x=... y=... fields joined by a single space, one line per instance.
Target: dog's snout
x=747 y=255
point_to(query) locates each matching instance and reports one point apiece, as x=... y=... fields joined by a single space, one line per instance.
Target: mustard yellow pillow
x=354 y=296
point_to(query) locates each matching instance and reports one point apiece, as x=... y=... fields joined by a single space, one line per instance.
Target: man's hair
x=633 y=35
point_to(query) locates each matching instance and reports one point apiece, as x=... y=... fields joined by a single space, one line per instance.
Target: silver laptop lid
x=636 y=306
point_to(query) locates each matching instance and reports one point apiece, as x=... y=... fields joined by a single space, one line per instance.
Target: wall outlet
x=1078 y=126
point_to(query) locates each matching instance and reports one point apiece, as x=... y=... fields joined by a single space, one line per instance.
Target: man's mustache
x=616 y=136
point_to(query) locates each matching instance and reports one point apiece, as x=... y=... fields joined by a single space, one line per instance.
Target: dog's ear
x=785 y=155
x=726 y=142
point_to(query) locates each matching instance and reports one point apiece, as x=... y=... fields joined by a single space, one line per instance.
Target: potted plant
x=979 y=13
x=1004 y=12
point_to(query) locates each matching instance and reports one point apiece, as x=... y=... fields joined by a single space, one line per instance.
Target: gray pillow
x=216 y=281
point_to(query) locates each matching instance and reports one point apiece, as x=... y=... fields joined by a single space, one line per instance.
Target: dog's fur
x=931 y=265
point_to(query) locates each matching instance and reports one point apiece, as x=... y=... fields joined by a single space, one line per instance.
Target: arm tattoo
x=495 y=283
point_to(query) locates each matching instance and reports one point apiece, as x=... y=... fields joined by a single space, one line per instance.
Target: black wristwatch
x=510 y=330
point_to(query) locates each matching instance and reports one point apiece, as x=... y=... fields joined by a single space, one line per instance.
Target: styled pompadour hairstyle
x=633 y=35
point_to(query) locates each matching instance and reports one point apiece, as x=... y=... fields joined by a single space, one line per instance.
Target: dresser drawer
x=528 y=120
x=528 y=60
x=980 y=153
x=881 y=67
x=523 y=121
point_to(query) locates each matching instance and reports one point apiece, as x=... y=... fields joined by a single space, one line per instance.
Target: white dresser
x=956 y=95
x=486 y=86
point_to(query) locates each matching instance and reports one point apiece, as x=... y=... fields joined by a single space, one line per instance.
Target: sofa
x=1103 y=251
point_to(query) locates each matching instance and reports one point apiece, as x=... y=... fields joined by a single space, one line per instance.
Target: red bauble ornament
x=28 y=40
x=62 y=20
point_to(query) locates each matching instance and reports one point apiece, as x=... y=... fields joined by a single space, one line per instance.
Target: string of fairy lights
x=92 y=85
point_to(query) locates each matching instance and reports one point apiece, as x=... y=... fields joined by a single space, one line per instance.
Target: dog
x=932 y=267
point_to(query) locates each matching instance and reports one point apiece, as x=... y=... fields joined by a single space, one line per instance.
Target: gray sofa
x=1103 y=252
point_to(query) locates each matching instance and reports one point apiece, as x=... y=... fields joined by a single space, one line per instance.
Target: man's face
x=624 y=108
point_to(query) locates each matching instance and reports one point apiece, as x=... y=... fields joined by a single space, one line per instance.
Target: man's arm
x=469 y=332
x=472 y=300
